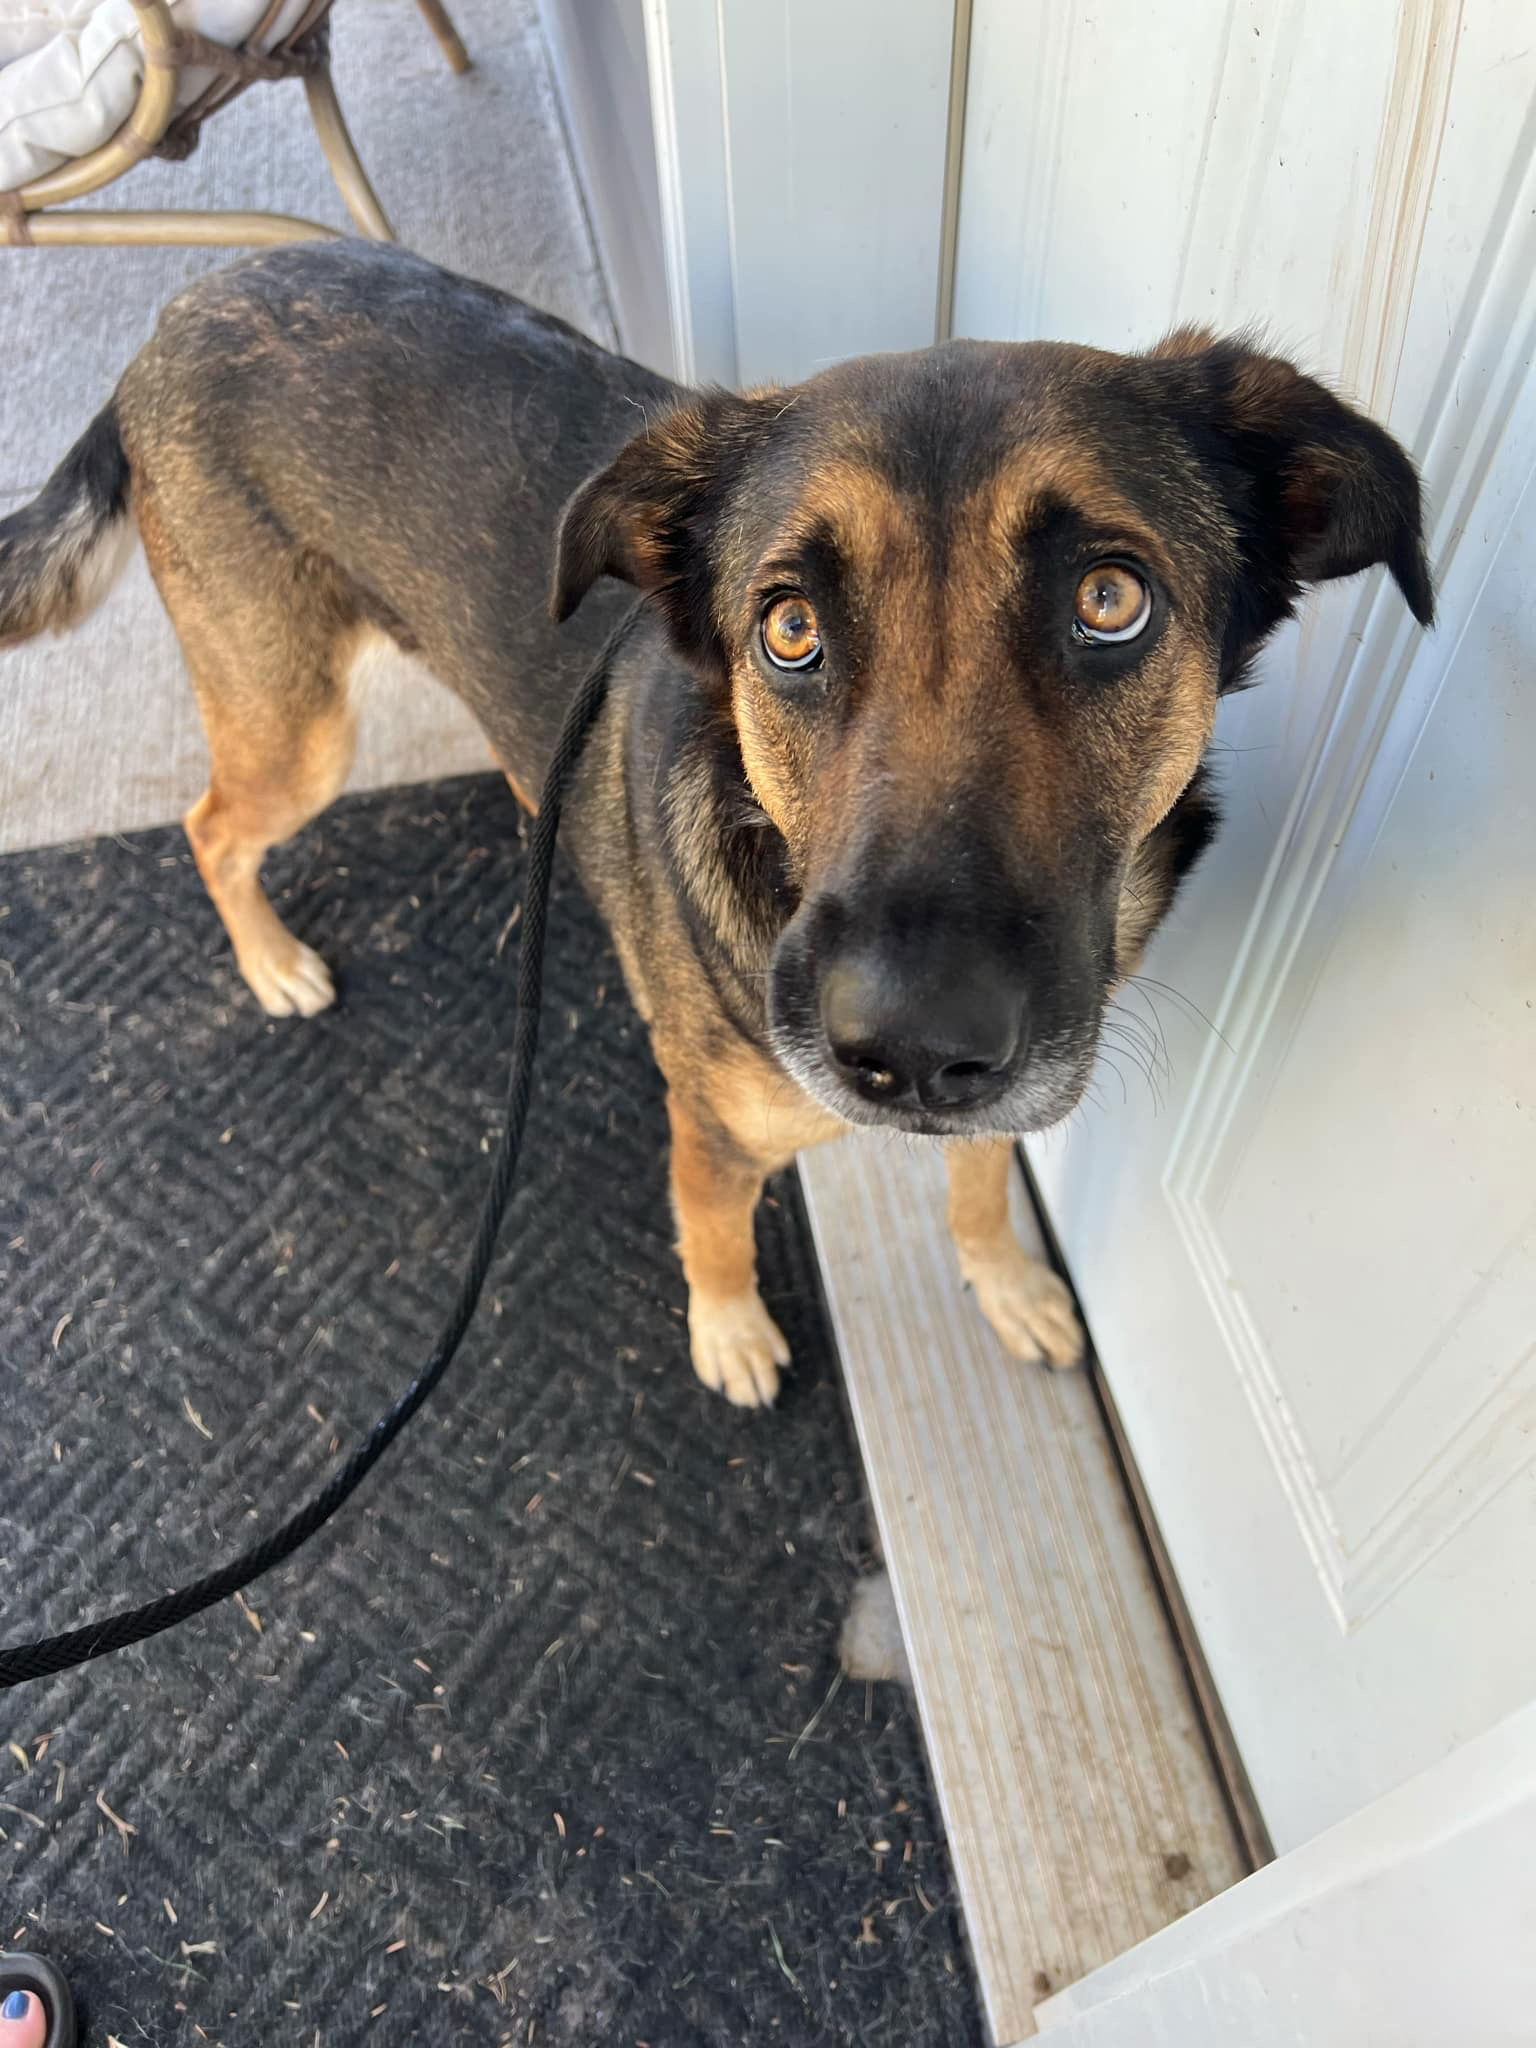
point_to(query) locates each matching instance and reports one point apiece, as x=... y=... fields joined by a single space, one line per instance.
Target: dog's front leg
x=1025 y=1303
x=737 y=1347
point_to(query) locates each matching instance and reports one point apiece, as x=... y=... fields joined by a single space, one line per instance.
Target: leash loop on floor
x=24 y=1661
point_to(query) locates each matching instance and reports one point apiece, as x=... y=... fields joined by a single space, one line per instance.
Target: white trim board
x=1083 y=1810
x=597 y=54
x=801 y=153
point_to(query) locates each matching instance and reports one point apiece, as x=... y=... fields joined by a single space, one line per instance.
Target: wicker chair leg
x=341 y=154
x=441 y=24
x=74 y=227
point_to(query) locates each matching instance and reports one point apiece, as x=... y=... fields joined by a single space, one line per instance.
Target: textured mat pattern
x=543 y=1740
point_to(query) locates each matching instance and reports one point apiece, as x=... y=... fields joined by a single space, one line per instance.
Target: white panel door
x=1406 y=1926
x=1307 y=1243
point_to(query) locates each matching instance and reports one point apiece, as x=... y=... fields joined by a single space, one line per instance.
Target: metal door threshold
x=1080 y=1793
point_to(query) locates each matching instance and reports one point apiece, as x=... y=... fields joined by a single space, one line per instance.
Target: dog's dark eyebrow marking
x=814 y=560
x=1040 y=512
x=1052 y=516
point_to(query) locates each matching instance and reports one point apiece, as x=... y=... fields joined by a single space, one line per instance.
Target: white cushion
x=70 y=71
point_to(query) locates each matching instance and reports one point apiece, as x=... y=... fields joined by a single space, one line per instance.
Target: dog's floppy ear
x=1319 y=490
x=650 y=517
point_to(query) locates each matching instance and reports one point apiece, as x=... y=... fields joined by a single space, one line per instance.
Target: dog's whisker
x=1127 y=1042
x=1185 y=1002
x=1110 y=1062
x=1148 y=1034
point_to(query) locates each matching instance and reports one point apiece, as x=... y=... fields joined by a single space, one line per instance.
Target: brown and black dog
x=898 y=771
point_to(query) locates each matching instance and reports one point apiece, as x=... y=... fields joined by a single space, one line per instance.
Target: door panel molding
x=1384 y=699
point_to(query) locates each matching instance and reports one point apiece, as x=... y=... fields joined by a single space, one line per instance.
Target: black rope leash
x=25 y=1661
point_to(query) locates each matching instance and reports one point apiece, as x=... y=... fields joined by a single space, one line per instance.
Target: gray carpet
x=543 y=1740
x=98 y=731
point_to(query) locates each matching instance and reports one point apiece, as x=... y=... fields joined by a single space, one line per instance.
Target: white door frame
x=688 y=112
x=803 y=220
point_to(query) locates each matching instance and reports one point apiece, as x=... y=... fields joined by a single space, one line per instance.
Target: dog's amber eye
x=791 y=636
x=1112 y=603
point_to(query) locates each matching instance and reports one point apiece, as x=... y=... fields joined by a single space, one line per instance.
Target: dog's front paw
x=737 y=1347
x=1027 y=1306
x=289 y=979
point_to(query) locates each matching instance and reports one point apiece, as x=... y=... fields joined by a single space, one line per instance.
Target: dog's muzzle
x=929 y=1012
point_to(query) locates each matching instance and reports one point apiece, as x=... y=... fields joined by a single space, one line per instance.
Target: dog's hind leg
x=273 y=688
x=253 y=800
x=1023 y=1300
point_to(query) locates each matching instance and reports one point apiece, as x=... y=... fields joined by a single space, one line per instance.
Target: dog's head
x=969 y=611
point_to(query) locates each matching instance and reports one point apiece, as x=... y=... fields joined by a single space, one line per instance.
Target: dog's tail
x=60 y=555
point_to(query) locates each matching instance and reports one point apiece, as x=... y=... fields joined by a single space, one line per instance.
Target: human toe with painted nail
x=23 y=2022
x=36 y=2010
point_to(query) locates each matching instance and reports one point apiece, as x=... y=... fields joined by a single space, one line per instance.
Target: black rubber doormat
x=543 y=1740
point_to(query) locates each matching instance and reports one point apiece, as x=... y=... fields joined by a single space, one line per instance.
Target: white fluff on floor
x=871 y=1646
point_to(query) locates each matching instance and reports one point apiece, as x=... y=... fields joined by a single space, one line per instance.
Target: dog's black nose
x=945 y=1045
